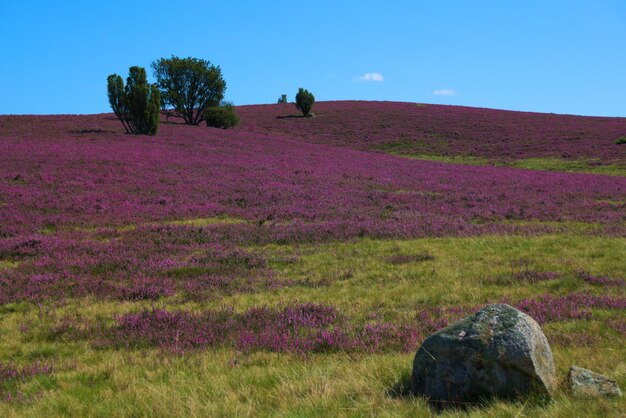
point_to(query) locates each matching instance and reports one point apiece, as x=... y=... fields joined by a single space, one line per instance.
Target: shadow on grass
x=401 y=390
x=290 y=117
x=92 y=131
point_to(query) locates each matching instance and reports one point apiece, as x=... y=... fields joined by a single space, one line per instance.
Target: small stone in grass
x=586 y=383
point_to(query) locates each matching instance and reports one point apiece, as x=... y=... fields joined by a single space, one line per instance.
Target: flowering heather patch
x=133 y=269
x=522 y=272
x=18 y=286
x=10 y=372
x=297 y=328
x=286 y=190
x=146 y=288
x=317 y=328
x=551 y=308
x=543 y=308
x=432 y=319
x=619 y=325
x=446 y=130
x=601 y=280
x=86 y=210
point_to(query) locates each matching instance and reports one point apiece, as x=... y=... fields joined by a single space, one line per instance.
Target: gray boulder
x=497 y=352
x=586 y=383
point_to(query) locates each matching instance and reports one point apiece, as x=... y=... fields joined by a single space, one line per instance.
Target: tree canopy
x=189 y=85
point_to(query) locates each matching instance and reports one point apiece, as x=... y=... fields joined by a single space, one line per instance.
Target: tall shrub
x=137 y=105
x=222 y=116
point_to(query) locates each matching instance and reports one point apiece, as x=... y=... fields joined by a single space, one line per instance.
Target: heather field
x=292 y=266
x=456 y=134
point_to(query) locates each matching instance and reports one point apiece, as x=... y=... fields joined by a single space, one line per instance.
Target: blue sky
x=536 y=55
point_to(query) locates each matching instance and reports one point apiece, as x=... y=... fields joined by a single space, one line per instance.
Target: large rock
x=586 y=383
x=497 y=352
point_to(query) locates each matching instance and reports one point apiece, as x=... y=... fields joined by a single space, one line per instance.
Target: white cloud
x=444 y=92
x=370 y=77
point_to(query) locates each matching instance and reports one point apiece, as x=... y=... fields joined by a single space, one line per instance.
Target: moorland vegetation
x=293 y=265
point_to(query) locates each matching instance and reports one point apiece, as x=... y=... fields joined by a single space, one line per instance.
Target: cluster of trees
x=193 y=88
x=189 y=86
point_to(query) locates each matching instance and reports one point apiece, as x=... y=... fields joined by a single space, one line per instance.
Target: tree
x=137 y=104
x=304 y=101
x=282 y=98
x=189 y=85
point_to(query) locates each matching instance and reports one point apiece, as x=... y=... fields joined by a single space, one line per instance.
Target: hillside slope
x=288 y=266
x=59 y=170
x=411 y=128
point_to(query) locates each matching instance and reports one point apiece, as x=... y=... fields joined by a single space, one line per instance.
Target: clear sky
x=561 y=56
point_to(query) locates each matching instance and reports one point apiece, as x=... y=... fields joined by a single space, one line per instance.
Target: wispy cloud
x=370 y=77
x=444 y=92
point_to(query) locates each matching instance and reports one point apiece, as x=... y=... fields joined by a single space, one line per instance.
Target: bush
x=189 y=85
x=137 y=104
x=304 y=101
x=621 y=140
x=223 y=116
x=282 y=99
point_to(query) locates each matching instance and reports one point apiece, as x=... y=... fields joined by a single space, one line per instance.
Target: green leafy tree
x=137 y=104
x=189 y=85
x=222 y=116
x=304 y=101
x=282 y=98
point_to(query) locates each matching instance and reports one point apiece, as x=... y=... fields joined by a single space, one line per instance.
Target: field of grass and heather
x=292 y=266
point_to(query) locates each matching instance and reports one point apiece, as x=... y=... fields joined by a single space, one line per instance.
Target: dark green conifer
x=304 y=101
x=137 y=105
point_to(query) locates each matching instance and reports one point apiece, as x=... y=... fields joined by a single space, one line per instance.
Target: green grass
x=223 y=383
x=456 y=159
x=570 y=227
x=192 y=222
x=360 y=278
x=8 y=264
x=578 y=166
x=200 y=222
x=407 y=149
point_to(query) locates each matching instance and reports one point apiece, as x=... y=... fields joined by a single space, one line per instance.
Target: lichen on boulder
x=497 y=352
